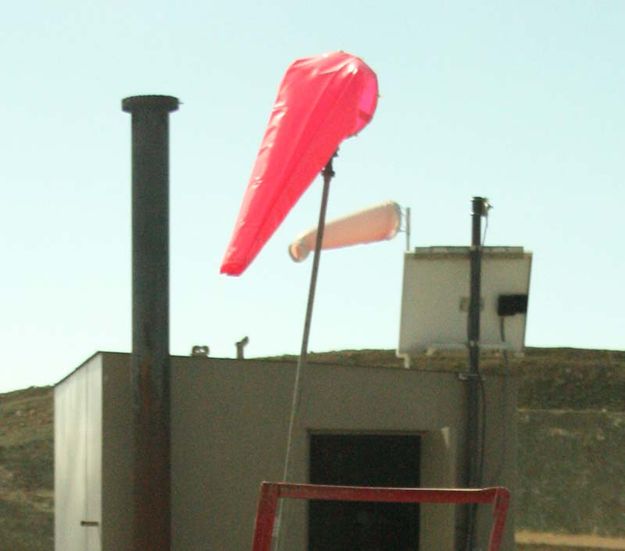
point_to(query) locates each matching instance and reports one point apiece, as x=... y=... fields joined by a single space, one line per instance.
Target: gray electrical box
x=435 y=299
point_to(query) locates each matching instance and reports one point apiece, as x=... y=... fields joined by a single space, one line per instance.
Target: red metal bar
x=500 y=510
x=270 y=492
x=265 y=516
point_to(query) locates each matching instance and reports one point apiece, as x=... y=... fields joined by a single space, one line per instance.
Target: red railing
x=270 y=492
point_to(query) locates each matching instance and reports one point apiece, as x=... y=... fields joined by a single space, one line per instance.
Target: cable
x=485 y=224
x=502 y=331
x=480 y=470
x=495 y=479
x=479 y=475
x=482 y=420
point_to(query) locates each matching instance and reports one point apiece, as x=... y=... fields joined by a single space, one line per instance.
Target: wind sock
x=369 y=225
x=321 y=101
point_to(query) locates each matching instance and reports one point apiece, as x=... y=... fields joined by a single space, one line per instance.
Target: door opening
x=364 y=460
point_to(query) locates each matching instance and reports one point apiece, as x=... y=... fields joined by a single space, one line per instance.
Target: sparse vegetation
x=26 y=470
x=571 y=438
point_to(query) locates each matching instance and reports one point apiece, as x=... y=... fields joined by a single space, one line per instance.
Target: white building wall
x=78 y=459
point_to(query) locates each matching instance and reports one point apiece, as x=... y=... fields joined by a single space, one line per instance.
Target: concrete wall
x=78 y=458
x=229 y=428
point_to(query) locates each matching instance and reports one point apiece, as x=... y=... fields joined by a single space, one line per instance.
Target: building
x=356 y=425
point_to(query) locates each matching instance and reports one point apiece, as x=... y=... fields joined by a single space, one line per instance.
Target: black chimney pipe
x=150 y=320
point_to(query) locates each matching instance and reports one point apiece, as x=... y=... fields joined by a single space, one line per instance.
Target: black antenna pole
x=472 y=449
x=150 y=320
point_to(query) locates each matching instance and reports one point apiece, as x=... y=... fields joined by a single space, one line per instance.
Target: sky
x=520 y=102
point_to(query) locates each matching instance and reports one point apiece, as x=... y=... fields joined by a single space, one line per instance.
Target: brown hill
x=26 y=470
x=571 y=419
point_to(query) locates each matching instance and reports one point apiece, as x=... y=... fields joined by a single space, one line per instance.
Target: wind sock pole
x=328 y=174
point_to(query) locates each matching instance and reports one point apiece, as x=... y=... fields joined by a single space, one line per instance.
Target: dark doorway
x=364 y=460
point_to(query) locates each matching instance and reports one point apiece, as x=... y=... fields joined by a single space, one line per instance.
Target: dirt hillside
x=571 y=438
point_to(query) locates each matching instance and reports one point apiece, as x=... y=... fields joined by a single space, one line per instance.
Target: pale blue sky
x=519 y=101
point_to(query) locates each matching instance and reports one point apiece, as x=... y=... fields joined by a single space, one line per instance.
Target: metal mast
x=473 y=447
